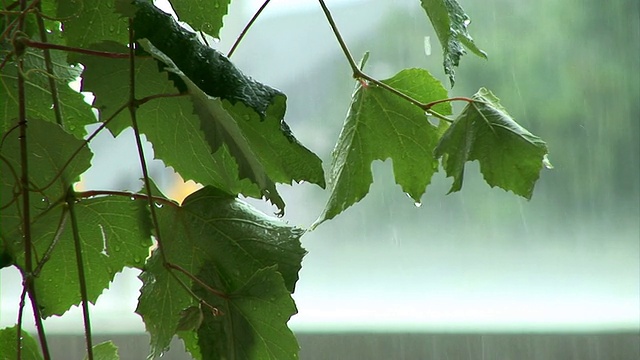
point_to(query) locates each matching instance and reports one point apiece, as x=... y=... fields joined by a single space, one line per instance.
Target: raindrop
x=417 y=204
x=158 y=205
x=466 y=22
x=247 y=117
x=136 y=259
x=117 y=248
x=112 y=28
x=547 y=164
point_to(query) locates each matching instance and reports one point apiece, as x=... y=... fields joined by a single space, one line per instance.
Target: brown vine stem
x=136 y=196
x=200 y=282
x=20 y=19
x=81 y=275
x=247 y=27
x=133 y=105
x=46 y=46
x=49 y=66
x=26 y=214
x=359 y=74
x=19 y=326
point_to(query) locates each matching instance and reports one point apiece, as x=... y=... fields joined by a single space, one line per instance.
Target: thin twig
x=137 y=196
x=49 y=66
x=20 y=315
x=41 y=45
x=81 y=275
x=246 y=28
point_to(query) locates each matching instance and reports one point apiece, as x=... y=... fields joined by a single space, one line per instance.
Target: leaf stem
x=70 y=199
x=200 y=282
x=19 y=326
x=246 y=28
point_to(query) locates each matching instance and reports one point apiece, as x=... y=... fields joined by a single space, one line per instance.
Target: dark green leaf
x=510 y=157
x=105 y=351
x=450 y=23
x=216 y=232
x=205 y=15
x=253 y=323
x=381 y=125
x=9 y=341
x=114 y=233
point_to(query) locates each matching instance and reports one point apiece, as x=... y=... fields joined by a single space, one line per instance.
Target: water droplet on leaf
x=417 y=204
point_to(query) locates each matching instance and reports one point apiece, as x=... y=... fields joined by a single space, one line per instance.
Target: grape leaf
x=105 y=351
x=450 y=24
x=205 y=15
x=224 y=242
x=87 y=22
x=253 y=320
x=114 y=233
x=381 y=125
x=510 y=156
x=250 y=139
x=9 y=340
x=75 y=112
x=168 y=122
x=50 y=149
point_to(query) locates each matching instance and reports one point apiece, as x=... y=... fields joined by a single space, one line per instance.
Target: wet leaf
x=510 y=156
x=9 y=340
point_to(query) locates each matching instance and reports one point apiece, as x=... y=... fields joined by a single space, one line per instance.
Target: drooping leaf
x=225 y=243
x=114 y=233
x=167 y=122
x=9 y=341
x=510 y=157
x=251 y=139
x=253 y=320
x=86 y=22
x=105 y=351
x=75 y=112
x=450 y=23
x=381 y=125
x=205 y=15
x=56 y=159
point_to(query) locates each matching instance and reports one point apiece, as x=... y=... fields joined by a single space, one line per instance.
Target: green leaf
x=56 y=159
x=75 y=112
x=510 y=157
x=450 y=23
x=9 y=341
x=214 y=231
x=87 y=22
x=167 y=122
x=250 y=139
x=381 y=125
x=105 y=351
x=204 y=15
x=253 y=320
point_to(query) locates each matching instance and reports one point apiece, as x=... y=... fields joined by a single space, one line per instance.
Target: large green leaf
x=205 y=15
x=114 y=233
x=510 y=157
x=76 y=113
x=169 y=122
x=381 y=125
x=229 y=246
x=253 y=320
x=9 y=341
x=56 y=159
x=86 y=22
x=450 y=23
